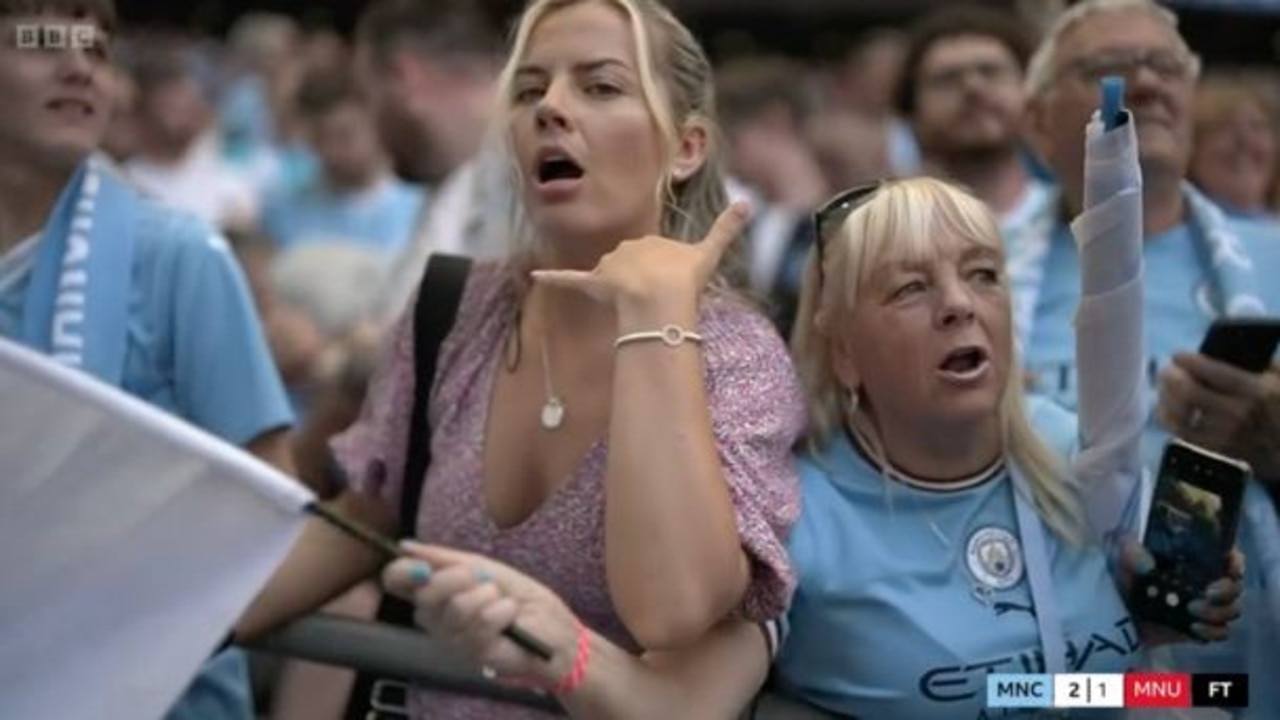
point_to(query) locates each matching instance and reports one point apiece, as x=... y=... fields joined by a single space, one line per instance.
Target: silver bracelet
x=670 y=335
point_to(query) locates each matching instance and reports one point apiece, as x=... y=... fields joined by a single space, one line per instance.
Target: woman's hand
x=1216 y=610
x=652 y=269
x=465 y=601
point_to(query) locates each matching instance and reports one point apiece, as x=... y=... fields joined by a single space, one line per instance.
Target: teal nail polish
x=420 y=573
x=1197 y=608
x=482 y=576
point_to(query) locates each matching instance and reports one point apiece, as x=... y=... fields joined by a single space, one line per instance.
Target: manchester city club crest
x=994 y=558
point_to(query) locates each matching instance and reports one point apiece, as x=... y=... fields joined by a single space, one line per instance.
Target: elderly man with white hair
x=1203 y=265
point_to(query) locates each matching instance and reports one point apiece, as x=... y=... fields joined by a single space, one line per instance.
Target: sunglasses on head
x=832 y=214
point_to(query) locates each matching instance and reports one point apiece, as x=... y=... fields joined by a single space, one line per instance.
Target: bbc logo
x=56 y=36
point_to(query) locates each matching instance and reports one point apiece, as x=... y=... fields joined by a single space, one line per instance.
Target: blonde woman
x=606 y=416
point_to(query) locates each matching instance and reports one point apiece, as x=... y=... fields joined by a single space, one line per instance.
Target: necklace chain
x=553 y=410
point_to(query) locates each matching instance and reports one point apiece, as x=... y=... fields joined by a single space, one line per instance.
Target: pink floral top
x=757 y=415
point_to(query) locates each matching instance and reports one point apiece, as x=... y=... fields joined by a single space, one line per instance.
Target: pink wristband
x=573 y=679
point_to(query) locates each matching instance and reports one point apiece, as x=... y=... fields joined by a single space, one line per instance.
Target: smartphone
x=1247 y=343
x=1191 y=529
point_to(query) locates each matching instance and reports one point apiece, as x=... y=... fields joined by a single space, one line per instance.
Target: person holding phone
x=607 y=415
x=1209 y=264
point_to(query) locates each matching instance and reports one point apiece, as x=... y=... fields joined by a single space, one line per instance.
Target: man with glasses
x=1202 y=264
x=962 y=90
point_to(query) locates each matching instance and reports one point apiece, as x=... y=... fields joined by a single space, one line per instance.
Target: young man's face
x=54 y=85
x=969 y=100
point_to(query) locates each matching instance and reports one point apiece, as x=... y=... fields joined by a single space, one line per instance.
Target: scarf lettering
x=77 y=303
x=69 y=304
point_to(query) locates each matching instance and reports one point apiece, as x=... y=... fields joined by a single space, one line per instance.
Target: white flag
x=130 y=542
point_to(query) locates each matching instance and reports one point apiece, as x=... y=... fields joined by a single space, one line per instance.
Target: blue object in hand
x=1112 y=101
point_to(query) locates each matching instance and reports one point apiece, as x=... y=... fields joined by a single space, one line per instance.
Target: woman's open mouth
x=558 y=168
x=965 y=364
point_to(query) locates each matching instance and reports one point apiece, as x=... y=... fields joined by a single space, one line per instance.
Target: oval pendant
x=552 y=414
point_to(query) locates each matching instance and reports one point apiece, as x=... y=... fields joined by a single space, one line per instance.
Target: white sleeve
x=1110 y=339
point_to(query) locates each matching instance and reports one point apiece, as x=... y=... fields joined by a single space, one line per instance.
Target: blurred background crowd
x=338 y=146
x=323 y=166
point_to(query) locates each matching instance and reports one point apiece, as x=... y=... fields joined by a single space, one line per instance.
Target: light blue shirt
x=886 y=622
x=196 y=349
x=1176 y=320
x=245 y=113
x=904 y=150
x=249 y=143
x=381 y=218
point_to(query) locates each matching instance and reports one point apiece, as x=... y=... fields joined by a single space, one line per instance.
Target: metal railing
x=393 y=651
x=413 y=657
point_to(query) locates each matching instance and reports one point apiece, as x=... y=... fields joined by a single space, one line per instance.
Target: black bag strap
x=433 y=316
x=439 y=297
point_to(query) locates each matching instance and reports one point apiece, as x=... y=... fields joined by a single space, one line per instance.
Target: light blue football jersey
x=890 y=619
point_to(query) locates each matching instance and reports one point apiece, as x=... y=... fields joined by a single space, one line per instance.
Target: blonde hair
x=1042 y=67
x=904 y=219
x=677 y=85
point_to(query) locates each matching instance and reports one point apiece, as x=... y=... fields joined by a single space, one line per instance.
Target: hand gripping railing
x=393 y=651
x=414 y=658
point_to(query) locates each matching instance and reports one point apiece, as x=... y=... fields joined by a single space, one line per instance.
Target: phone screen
x=1187 y=525
x=1190 y=529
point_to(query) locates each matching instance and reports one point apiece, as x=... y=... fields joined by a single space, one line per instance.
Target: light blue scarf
x=77 y=303
x=1229 y=287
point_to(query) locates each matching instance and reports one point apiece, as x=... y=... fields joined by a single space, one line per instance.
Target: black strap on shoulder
x=439 y=297
x=433 y=316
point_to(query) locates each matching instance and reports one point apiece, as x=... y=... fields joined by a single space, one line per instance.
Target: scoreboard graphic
x=1131 y=690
